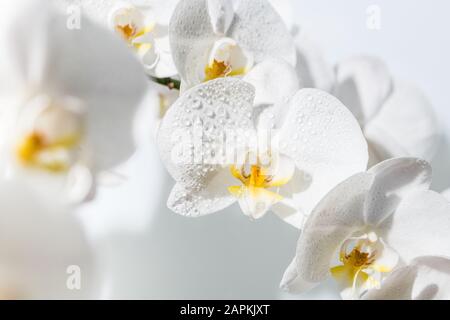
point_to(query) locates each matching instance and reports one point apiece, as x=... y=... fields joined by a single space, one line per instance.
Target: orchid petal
x=232 y=104
x=420 y=226
x=221 y=13
x=154 y=13
x=324 y=140
x=292 y=282
x=334 y=219
x=363 y=84
x=405 y=125
x=433 y=279
x=427 y=278
x=40 y=242
x=397 y=286
x=165 y=66
x=275 y=81
x=312 y=69
x=260 y=30
x=215 y=197
x=446 y=194
x=78 y=64
x=394 y=179
x=99 y=11
x=256 y=28
x=286 y=11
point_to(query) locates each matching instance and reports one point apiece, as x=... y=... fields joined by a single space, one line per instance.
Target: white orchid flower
x=369 y=226
x=43 y=253
x=221 y=38
x=142 y=24
x=66 y=114
x=318 y=144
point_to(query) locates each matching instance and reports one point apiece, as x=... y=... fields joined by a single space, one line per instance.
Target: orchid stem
x=168 y=82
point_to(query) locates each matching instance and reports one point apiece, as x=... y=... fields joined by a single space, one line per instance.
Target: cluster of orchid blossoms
x=246 y=110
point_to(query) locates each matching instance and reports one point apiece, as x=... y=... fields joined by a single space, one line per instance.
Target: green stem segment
x=168 y=82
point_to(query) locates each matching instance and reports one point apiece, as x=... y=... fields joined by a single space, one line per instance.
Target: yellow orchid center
x=130 y=33
x=35 y=151
x=130 y=23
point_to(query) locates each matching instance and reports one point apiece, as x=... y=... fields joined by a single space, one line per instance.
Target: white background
x=146 y=251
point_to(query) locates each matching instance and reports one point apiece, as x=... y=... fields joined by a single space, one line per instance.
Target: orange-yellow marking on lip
x=353 y=271
x=34 y=144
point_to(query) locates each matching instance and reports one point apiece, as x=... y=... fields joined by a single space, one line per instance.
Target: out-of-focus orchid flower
x=369 y=227
x=220 y=38
x=43 y=253
x=142 y=24
x=206 y=142
x=66 y=113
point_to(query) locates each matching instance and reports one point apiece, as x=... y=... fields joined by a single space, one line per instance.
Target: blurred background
x=144 y=251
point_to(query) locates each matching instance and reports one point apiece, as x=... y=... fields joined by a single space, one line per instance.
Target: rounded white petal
x=275 y=81
x=363 y=84
x=42 y=245
x=420 y=226
x=406 y=125
x=209 y=109
x=334 y=219
x=394 y=180
x=89 y=64
x=324 y=140
x=256 y=28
